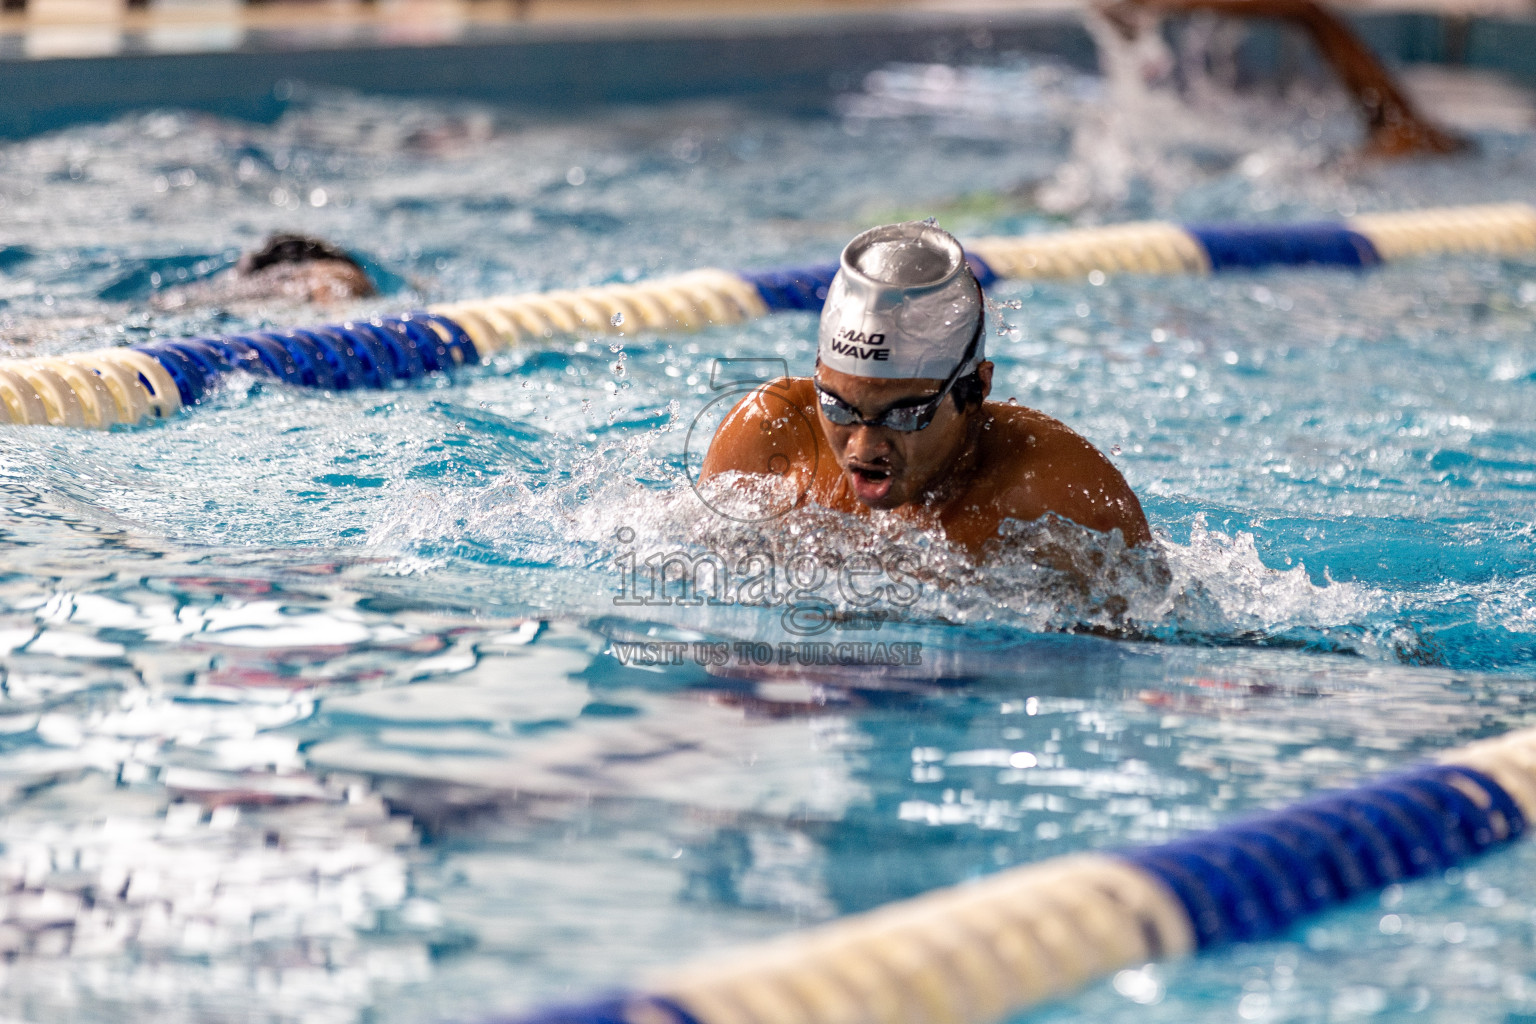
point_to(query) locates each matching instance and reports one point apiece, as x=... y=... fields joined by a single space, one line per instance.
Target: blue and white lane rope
x=127 y=385
x=978 y=952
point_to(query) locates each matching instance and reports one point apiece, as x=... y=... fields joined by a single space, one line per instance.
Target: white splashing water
x=1049 y=575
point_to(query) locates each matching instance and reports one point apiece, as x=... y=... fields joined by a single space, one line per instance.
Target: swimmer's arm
x=1394 y=125
x=767 y=433
x=1064 y=474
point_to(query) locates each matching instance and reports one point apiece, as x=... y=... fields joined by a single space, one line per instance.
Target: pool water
x=328 y=708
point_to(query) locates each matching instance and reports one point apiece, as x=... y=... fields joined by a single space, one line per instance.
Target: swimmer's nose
x=868 y=444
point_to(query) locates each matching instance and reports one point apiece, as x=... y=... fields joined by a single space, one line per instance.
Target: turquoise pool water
x=314 y=706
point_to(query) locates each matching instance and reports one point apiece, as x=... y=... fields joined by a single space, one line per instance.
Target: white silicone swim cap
x=903 y=304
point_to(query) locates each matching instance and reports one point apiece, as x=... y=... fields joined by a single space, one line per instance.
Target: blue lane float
x=791 y=289
x=1253 y=879
x=1248 y=247
x=334 y=357
x=975 y=953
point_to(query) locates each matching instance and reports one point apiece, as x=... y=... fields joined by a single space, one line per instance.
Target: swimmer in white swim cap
x=896 y=415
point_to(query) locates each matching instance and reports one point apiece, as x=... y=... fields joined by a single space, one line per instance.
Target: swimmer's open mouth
x=871 y=484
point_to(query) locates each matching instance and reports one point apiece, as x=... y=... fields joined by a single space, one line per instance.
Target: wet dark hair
x=289 y=248
x=968 y=390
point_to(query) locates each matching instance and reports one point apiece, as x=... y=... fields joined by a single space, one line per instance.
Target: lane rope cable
x=129 y=385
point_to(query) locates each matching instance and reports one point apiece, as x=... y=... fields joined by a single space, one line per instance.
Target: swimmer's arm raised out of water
x=1394 y=125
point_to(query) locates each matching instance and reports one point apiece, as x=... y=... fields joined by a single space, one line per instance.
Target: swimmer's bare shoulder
x=1029 y=465
x=1034 y=465
x=770 y=431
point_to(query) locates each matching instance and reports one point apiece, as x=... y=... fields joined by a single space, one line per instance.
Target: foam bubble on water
x=1169 y=120
x=1161 y=121
x=1225 y=586
x=1047 y=575
x=515 y=518
x=1054 y=575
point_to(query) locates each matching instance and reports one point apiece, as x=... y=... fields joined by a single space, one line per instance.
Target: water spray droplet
x=617 y=319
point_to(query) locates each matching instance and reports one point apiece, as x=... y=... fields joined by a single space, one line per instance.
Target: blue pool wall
x=794 y=64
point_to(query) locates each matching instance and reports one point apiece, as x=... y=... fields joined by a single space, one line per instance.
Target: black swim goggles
x=906 y=416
